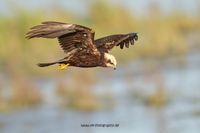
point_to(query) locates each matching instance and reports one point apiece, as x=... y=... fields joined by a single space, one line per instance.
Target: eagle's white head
x=110 y=60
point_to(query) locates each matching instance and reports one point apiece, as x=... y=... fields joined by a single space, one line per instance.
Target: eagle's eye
x=110 y=62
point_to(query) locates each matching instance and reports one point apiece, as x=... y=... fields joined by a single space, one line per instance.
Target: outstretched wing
x=105 y=44
x=71 y=37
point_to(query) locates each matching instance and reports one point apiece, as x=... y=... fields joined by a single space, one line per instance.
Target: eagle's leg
x=63 y=66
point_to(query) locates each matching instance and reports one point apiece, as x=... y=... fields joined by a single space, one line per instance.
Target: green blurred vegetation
x=160 y=36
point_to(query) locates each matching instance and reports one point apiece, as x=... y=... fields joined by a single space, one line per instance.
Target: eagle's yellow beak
x=63 y=66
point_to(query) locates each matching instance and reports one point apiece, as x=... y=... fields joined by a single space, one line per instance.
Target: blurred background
x=155 y=88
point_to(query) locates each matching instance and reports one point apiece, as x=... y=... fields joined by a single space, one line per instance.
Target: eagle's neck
x=102 y=60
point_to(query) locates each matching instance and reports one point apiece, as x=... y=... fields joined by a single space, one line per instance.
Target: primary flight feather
x=79 y=45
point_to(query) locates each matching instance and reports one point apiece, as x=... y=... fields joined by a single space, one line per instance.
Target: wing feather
x=105 y=44
x=50 y=30
x=70 y=36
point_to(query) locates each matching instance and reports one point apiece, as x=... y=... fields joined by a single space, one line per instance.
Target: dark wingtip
x=134 y=35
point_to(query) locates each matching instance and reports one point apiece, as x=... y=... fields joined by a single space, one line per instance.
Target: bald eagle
x=78 y=42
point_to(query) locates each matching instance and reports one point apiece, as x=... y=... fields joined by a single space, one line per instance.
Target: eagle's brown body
x=79 y=45
x=87 y=60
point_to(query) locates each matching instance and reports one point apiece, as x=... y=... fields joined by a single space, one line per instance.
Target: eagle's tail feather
x=46 y=64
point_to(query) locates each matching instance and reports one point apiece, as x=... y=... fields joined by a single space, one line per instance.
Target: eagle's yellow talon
x=63 y=66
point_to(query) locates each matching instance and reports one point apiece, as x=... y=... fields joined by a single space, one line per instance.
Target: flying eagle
x=78 y=42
